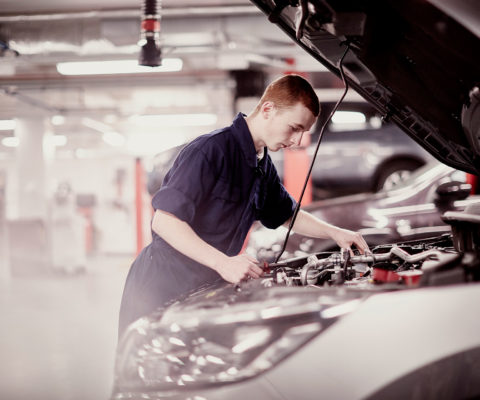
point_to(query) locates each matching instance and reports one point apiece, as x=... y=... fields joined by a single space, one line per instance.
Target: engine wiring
x=297 y=208
x=401 y=266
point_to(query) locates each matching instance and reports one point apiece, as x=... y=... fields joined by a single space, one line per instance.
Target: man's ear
x=267 y=109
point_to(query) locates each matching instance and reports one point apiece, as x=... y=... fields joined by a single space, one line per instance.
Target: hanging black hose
x=150 y=53
x=297 y=208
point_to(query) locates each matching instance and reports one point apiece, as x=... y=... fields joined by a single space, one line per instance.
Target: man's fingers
x=363 y=242
x=360 y=244
x=257 y=269
x=254 y=271
x=250 y=258
x=363 y=247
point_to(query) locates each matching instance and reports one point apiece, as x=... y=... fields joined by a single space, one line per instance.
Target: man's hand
x=239 y=268
x=181 y=236
x=346 y=238
x=308 y=225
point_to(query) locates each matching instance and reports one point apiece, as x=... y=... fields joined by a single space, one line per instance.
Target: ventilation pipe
x=150 y=53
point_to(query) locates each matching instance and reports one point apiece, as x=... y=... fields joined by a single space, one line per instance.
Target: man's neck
x=255 y=130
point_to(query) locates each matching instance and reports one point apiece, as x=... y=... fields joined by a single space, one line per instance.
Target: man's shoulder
x=215 y=140
x=211 y=147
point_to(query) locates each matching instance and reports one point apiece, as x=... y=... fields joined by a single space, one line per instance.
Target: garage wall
x=110 y=182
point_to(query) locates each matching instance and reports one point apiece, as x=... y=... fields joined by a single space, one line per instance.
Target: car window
x=353 y=121
x=429 y=172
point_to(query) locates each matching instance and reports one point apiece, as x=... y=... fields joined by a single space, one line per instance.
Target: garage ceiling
x=212 y=38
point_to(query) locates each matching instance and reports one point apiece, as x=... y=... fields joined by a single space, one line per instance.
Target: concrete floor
x=58 y=333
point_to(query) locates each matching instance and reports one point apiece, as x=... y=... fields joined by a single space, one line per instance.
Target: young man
x=218 y=186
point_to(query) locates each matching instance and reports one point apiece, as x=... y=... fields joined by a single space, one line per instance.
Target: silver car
x=359 y=152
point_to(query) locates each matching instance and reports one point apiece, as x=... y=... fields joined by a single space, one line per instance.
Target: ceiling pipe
x=150 y=52
x=111 y=37
x=42 y=105
x=129 y=13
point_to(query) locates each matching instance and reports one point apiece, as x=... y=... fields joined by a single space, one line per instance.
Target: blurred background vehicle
x=411 y=210
x=359 y=153
x=161 y=163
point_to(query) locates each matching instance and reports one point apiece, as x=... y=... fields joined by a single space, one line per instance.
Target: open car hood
x=416 y=61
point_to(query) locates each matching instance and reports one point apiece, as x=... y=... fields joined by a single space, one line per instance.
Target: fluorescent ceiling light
x=348 y=117
x=96 y=125
x=116 y=67
x=110 y=118
x=10 y=141
x=142 y=144
x=57 y=120
x=114 y=139
x=83 y=153
x=174 y=120
x=7 y=124
x=58 y=140
x=109 y=135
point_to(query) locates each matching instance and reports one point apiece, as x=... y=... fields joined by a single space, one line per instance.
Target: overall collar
x=244 y=138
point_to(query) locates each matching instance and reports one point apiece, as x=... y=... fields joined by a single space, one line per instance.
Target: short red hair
x=289 y=90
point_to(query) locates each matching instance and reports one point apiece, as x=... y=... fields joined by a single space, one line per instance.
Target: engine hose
x=368 y=258
x=297 y=208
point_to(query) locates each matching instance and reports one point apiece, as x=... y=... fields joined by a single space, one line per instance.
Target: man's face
x=285 y=127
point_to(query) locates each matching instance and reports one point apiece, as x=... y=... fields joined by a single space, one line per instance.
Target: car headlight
x=219 y=345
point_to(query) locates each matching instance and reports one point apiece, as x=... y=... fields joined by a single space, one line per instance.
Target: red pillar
x=296 y=162
x=86 y=212
x=139 y=190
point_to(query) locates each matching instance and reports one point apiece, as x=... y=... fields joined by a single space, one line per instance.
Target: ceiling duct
x=202 y=30
x=150 y=52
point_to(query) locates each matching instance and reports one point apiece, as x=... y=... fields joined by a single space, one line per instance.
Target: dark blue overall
x=218 y=186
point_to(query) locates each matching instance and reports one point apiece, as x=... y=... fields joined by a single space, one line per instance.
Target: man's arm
x=182 y=237
x=308 y=225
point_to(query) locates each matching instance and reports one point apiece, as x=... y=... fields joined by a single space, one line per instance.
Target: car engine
x=447 y=259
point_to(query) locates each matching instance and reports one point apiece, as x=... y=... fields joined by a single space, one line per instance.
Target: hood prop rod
x=297 y=208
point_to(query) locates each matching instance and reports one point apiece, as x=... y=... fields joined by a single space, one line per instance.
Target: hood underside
x=416 y=61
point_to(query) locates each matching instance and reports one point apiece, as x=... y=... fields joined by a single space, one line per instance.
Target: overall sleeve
x=186 y=185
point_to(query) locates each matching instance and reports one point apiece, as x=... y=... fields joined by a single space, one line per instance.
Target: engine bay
x=427 y=262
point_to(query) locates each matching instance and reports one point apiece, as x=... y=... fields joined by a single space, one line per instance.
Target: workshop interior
x=97 y=100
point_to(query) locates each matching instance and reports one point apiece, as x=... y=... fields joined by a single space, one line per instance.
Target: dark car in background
x=359 y=152
x=162 y=162
x=411 y=210
x=396 y=323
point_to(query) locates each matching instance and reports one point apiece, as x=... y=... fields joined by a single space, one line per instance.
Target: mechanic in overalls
x=218 y=186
